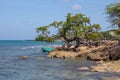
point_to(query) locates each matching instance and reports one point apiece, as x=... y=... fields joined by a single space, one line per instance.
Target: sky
x=20 y=18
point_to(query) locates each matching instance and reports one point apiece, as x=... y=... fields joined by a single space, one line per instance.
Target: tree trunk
x=118 y=41
x=119 y=25
x=68 y=40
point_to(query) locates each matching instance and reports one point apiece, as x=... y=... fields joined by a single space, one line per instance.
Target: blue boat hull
x=47 y=49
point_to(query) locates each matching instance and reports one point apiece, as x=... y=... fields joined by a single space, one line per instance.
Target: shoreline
x=107 y=56
x=104 y=52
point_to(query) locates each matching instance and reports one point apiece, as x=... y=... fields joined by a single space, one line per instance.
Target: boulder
x=62 y=54
x=112 y=66
x=115 y=53
x=98 y=56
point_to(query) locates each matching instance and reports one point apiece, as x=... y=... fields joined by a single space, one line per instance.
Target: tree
x=113 y=12
x=74 y=28
x=44 y=32
x=109 y=35
x=43 y=29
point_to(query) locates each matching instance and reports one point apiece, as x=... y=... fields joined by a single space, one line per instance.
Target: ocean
x=38 y=66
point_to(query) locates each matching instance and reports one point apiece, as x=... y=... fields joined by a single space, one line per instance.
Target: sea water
x=38 y=66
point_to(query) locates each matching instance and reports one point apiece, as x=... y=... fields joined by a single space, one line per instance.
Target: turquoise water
x=38 y=66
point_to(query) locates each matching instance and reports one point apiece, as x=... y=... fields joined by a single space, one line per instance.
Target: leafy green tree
x=44 y=32
x=113 y=11
x=74 y=28
x=106 y=35
x=117 y=32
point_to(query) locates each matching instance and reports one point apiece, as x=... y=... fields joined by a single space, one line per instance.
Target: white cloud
x=66 y=0
x=77 y=7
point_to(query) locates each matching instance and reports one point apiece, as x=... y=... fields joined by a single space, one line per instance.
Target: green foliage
x=39 y=38
x=73 y=27
x=117 y=32
x=44 y=34
x=44 y=38
x=113 y=11
x=106 y=35
x=56 y=24
x=93 y=36
x=43 y=29
x=49 y=39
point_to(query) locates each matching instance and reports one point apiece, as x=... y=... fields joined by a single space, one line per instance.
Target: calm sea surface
x=38 y=66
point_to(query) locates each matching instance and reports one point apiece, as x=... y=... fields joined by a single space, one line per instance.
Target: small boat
x=47 y=49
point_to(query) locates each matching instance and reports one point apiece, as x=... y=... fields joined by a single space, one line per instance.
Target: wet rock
x=98 y=69
x=62 y=54
x=24 y=57
x=113 y=66
x=100 y=62
x=83 y=68
x=115 y=53
x=111 y=78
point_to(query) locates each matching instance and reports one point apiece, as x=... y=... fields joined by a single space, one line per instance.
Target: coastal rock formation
x=113 y=66
x=62 y=54
x=115 y=53
x=111 y=51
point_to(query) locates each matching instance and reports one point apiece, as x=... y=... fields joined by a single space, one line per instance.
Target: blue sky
x=20 y=18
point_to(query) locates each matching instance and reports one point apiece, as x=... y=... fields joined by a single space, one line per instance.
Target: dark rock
x=115 y=53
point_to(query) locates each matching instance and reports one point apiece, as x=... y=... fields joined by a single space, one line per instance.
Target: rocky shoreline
x=107 y=56
x=112 y=66
x=102 y=66
x=104 y=52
